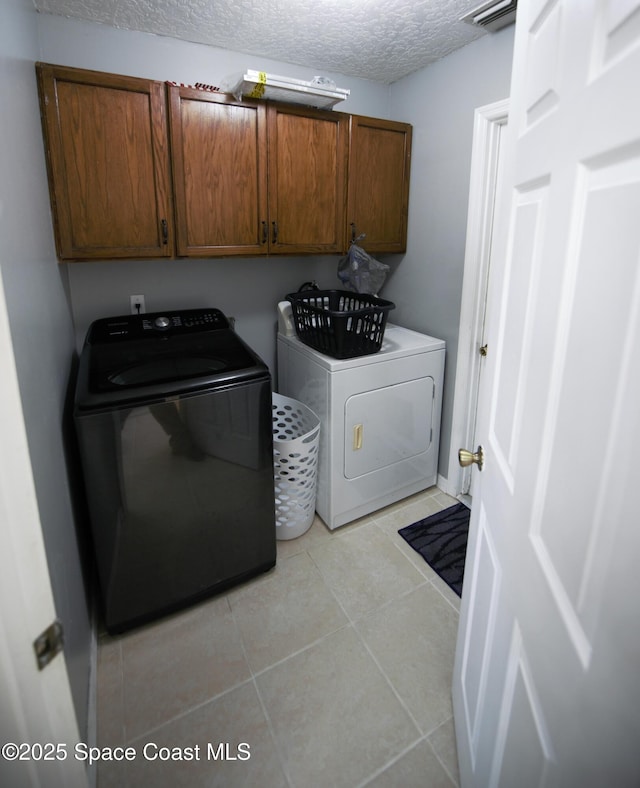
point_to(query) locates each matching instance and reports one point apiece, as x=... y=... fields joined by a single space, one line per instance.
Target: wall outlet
x=136 y=303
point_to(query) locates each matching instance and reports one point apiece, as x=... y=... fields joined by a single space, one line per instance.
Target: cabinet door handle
x=264 y=232
x=165 y=231
x=353 y=232
x=275 y=232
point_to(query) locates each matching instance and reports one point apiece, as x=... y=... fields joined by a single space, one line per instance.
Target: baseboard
x=443 y=484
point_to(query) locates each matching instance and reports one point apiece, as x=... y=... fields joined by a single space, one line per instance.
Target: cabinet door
x=108 y=159
x=307 y=180
x=379 y=164
x=219 y=155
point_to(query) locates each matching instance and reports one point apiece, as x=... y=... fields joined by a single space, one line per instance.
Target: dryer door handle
x=357 y=437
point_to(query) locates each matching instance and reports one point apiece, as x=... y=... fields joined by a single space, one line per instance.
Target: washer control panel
x=186 y=321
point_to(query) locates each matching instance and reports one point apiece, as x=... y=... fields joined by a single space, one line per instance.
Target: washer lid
x=165 y=369
x=162 y=359
x=133 y=358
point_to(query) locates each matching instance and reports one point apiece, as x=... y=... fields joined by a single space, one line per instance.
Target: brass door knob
x=466 y=457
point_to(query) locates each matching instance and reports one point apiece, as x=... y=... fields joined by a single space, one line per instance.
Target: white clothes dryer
x=379 y=416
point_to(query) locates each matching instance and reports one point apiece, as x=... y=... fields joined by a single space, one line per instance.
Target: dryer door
x=387 y=425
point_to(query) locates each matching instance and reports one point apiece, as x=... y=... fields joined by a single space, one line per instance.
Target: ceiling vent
x=492 y=15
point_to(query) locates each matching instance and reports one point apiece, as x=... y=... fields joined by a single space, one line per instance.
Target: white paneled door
x=547 y=674
x=38 y=728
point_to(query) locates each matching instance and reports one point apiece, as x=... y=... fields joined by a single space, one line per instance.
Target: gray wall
x=440 y=101
x=41 y=328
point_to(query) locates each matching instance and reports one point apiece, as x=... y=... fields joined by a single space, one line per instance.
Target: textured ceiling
x=382 y=40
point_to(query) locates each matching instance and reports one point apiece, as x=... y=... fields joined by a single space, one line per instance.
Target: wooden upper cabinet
x=108 y=160
x=219 y=154
x=307 y=180
x=245 y=177
x=254 y=178
x=379 y=166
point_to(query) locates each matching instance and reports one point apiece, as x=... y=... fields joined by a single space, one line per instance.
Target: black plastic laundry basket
x=340 y=323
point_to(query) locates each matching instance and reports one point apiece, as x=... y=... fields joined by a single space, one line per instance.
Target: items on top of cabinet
x=197 y=86
x=320 y=92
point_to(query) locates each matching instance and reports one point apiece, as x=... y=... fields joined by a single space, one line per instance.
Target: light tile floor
x=333 y=669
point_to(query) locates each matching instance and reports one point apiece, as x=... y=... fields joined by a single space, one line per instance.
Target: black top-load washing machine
x=173 y=416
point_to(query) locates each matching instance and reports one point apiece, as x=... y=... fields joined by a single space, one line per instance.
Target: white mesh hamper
x=296 y=433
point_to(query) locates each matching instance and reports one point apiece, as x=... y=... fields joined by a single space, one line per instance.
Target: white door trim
x=489 y=123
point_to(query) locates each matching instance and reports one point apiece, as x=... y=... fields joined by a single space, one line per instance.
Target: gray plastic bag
x=360 y=272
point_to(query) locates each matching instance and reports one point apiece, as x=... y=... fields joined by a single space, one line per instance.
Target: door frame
x=489 y=124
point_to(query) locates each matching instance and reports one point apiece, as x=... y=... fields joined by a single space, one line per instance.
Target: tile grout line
x=379 y=666
x=351 y=621
x=423 y=737
x=453 y=779
x=272 y=733
x=395 y=759
x=185 y=712
x=350 y=618
x=263 y=706
x=436 y=585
